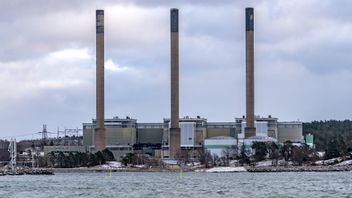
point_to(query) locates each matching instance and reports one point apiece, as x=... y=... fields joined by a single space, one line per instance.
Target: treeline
x=332 y=136
x=78 y=159
x=297 y=154
x=4 y=153
x=259 y=151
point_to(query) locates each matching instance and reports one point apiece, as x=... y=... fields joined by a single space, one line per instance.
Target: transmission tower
x=44 y=133
x=13 y=153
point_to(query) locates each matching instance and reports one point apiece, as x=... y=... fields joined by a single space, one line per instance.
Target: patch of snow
x=114 y=164
x=104 y=166
x=226 y=169
x=264 y=163
x=196 y=163
x=321 y=154
x=234 y=162
x=320 y=162
x=329 y=161
x=110 y=165
x=140 y=166
x=193 y=164
x=347 y=162
x=284 y=163
x=170 y=161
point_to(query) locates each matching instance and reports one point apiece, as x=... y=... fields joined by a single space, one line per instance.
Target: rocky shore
x=113 y=167
x=300 y=168
x=216 y=169
x=277 y=169
x=26 y=171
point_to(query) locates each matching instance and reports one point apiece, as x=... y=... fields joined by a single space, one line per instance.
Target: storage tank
x=309 y=140
x=216 y=145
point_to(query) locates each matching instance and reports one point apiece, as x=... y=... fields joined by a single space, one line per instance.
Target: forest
x=332 y=136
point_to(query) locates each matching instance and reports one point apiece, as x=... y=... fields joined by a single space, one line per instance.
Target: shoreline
x=300 y=169
x=249 y=169
x=246 y=169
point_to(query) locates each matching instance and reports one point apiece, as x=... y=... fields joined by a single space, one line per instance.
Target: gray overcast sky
x=47 y=59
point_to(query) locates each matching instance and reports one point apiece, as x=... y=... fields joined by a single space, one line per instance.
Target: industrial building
x=290 y=131
x=177 y=135
x=126 y=135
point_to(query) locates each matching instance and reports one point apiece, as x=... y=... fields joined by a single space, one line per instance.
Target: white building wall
x=261 y=129
x=187 y=133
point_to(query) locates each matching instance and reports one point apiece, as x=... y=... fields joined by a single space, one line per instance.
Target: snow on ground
x=193 y=164
x=114 y=164
x=329 y=161
x=111 y=165
x=234 y=163
x=347 y=162
x=226 y=169
x=170 y=161
x=141 y=166
x=264 y=163
x=104 y=166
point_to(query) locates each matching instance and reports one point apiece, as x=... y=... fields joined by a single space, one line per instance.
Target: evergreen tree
x=100 y=157
x=332 y=150
x=108 y=155
x=261 y=150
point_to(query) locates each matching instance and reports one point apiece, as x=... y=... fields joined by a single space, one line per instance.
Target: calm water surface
x=333 y=184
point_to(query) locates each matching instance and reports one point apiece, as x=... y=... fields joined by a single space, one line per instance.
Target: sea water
x=146 y=184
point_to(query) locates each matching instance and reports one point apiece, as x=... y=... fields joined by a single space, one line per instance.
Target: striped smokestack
x=174 y=126
x=99 y=132
x=250 y=118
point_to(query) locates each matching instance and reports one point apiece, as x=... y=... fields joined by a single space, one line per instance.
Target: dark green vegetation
x=332 y=136
x=139 y=159
x=287 y=151
x=78 y=159
x=4 y=154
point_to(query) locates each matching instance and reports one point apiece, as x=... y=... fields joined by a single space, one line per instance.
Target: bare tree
x=228 y=154
x=205 y=157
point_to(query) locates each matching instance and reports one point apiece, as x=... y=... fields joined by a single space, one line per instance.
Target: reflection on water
x=334 y=184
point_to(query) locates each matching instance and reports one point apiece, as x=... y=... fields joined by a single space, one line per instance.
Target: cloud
x=70 y=54
x=302 y=60
x=111 y=66
x=58 y=70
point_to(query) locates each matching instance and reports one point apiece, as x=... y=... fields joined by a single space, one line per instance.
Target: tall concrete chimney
x=99 y=132
x=250 y=118
x=174 y=127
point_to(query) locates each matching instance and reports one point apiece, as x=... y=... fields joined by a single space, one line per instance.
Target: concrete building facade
x=281 y=131
x=290 y=131
x=126 y=135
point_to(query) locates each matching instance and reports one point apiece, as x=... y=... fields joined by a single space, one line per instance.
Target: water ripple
x=334 y=184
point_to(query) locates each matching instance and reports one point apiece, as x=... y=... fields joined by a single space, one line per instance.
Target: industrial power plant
x=181 y=102
x=171 y=137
